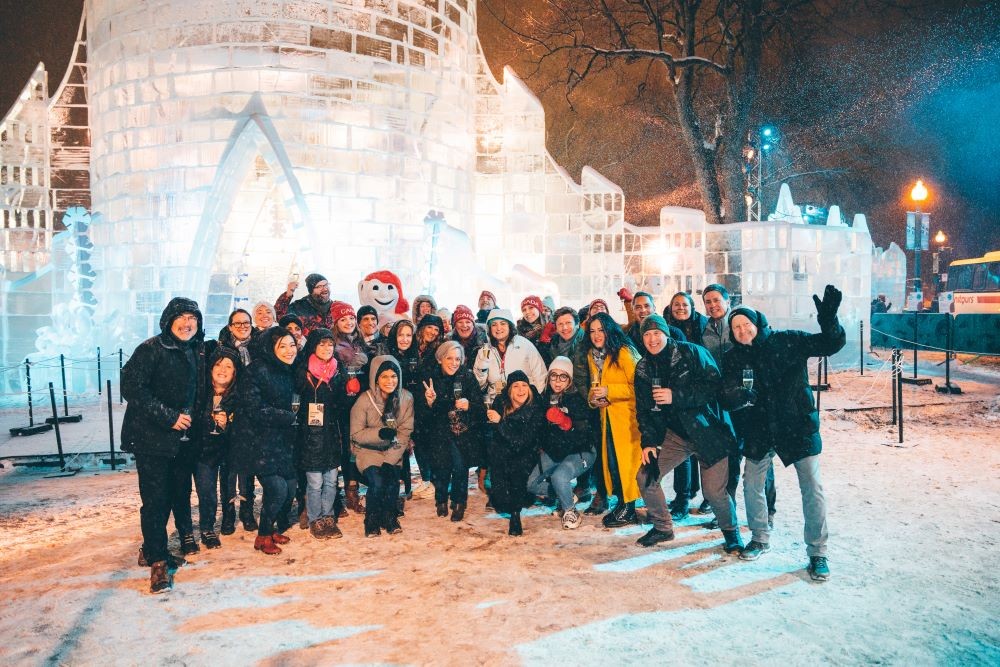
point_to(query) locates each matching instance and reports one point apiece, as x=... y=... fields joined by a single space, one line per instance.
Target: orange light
x=919 y=192
x=940 y=238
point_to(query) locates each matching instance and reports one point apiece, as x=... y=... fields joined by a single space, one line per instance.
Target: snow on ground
x=914 y=538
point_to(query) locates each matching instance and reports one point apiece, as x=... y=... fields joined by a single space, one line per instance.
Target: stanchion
x=819 y=383
x=66 y=416
x=948 y=387
x=111 y=433
x=98 y=371
x=899 y=399
x=32 y=428
x=64 y=471
x=919 y=381
x=895 y=373
x=121 y=360
x=861 y=346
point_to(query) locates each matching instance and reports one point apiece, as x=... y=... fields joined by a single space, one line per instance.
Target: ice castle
x=213 y=149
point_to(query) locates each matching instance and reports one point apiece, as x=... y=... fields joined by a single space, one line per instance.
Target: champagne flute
x=748 y=378
x=216 y=410
x=184 y=433
x=457 y=390
x=390 y=421
x=296 y=402
x=656 y=385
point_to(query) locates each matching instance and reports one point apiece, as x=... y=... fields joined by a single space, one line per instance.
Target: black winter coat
x=559 y=444
x=692 y=327
x=441 y=424
x=163 y=377
x=694 y=380
x=214 y=448
x=319 y=448
x=634 y=333
x=516 y=437
x=783 y=415
x=264 y=430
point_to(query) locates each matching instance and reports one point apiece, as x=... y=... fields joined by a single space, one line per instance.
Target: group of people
x=557 y=406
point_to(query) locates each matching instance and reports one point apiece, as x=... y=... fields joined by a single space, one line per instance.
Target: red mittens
x=625 y=295
x=547 y=332
x=559 y=418
x=353 y=386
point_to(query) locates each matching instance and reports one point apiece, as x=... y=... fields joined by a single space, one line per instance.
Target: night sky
x=875 y=101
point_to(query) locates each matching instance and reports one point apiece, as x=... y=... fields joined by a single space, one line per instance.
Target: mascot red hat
x=383 y=291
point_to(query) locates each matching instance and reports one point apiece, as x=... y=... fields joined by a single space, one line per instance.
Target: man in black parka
x=678 y=419
x=776 y=414
x=162 y=383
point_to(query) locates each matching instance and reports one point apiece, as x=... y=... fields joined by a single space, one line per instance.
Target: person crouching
x=567 y=445
x=381 y=424
x=513 y=450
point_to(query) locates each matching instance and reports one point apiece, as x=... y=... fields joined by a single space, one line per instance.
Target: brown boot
x=353 y=499
x=303 y=520
x=481 y=481
x=279 y=538
x=159 y=580
x=266 y=544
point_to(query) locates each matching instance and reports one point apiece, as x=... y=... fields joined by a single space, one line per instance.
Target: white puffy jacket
x=521 y=356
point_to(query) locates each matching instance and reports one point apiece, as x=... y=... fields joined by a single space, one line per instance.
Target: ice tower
x=237 y=142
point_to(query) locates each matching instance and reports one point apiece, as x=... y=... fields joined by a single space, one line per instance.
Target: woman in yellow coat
x=612 y=361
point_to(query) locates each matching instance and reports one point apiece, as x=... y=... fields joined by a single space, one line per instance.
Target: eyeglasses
x=240 y=325
x=562 y=377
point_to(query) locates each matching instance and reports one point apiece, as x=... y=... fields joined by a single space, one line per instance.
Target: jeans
x=713 y=485
x=206 y=482
x=455 y=476
x=321 y=491
x=815 y=531
x=161 y=488
x=558 y=476
x=275 y=503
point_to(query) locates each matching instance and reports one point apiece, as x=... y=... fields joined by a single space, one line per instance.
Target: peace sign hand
x=429 y=392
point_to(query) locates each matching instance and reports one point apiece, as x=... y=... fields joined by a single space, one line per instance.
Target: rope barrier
x=925 y=346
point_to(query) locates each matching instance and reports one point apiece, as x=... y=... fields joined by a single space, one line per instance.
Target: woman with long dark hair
x=349 y=349
x=612 y=359
x=401 y=345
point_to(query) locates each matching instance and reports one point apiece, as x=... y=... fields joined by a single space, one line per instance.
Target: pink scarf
x=322 y=370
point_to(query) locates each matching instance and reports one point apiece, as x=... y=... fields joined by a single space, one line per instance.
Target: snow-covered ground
x=913 y=552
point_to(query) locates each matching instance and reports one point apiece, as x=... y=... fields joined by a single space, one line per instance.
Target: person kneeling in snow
x=381 y=424
x=567 y=449
x=766 y=389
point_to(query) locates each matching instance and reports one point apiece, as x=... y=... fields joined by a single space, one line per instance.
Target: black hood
x=755 y=316
x=177 y=307
x=315 y=337
x=223 y=352
x=265 y=343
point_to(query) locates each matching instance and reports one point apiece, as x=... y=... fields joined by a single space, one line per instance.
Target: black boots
x=622 y=515
x=515 y=525
x=210 y=539
x=442 y=509
x=734 y=543
x=372 y=528
x=228 y=519
x=246 y=516
x=459 y=512
x=655 y=536
x=188 y=545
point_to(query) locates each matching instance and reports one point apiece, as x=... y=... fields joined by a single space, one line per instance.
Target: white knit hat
x=562 y=364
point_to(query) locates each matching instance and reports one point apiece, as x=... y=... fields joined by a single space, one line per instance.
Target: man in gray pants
x=675 y=388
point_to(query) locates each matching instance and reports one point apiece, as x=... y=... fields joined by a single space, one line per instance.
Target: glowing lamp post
x=917 y=233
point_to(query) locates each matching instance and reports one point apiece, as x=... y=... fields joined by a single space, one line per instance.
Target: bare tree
x=708 y=54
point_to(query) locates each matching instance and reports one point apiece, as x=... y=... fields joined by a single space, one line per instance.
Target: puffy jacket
x=490 y=368
x=163 y=377
x=779 y=413
x=694 y=414
x=313 y=315
x=441 y=424
x=368 y=418
x=319 y=447
x=263 y=440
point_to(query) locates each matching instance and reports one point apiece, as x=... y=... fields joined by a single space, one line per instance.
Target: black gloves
x=387 y=433
x=652 y=470
x=826 y=310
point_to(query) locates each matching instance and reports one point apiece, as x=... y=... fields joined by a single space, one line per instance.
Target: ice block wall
x=889 y=276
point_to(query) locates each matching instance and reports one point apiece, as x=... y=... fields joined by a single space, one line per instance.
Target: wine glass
x=457 y=391
x=296 y=402
x=656 y=385
x=184 y=433
x=216 y=410
x=390 y=421
x=748 y=378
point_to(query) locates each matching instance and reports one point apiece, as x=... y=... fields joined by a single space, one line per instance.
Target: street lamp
x=757 y=151
x=918 y=194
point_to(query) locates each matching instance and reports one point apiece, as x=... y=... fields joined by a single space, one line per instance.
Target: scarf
x=322 y=370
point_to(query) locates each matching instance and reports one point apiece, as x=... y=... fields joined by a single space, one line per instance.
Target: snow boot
x=459 y=512
x=391 y=523
x=654 y=537
x=331 y=527
x=353 y=498
x=514 y=528
x=159 y=580
x=265 y=544
x=228 y=519
x=210 y=539
x=188 y=545
x=734 y=543
x=442 y=509
x=280 y=538
x=622 y=515
x=371 y=525
x=247 y=518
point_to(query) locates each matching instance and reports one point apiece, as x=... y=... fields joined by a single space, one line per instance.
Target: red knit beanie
x=340 y=309
x=534 y=301
x=463 y=313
